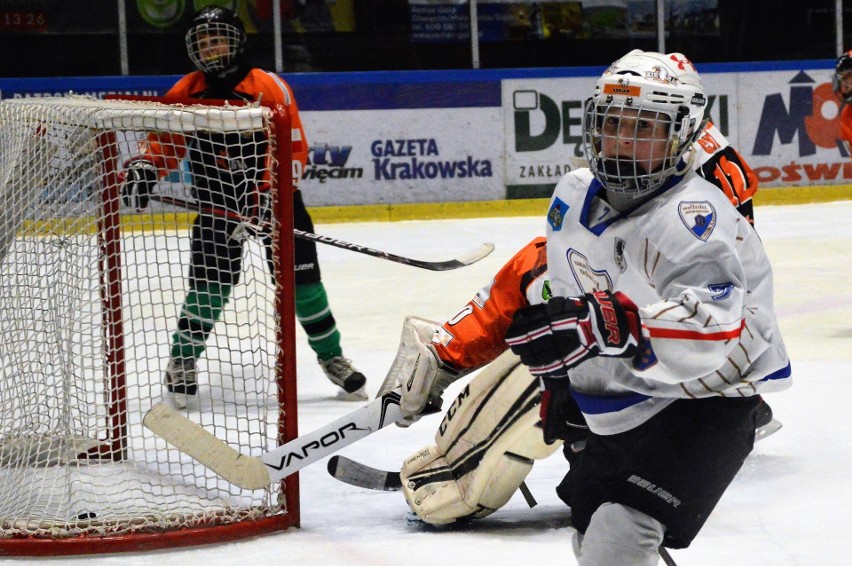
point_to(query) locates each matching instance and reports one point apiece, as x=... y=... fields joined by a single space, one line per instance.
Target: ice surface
x=790 y=505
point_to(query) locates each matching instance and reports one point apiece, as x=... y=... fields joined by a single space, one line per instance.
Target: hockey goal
x=90 y=293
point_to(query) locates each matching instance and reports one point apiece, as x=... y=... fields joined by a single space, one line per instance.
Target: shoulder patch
x=721 y=291
x=556 y=214
x=699 y=217
x=618 y=254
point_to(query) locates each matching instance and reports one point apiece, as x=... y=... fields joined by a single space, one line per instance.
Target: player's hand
x=561 y=419
x=140 y=176
x=421 y=394
x=553 y=337
x=615 y=324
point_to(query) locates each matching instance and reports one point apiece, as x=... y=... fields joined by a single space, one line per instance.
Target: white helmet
x=658 y=90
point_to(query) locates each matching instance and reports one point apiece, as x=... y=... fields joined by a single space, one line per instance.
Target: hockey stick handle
x=468 y=259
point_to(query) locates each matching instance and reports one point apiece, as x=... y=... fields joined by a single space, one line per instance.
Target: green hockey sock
x=315 y=316
x=201 y=309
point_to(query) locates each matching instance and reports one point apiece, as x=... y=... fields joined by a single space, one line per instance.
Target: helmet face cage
x=641 y=121
x=631 y=151
x=214 y=46
x=841 y=67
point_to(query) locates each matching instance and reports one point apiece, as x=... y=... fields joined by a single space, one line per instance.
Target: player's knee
x=618 y=534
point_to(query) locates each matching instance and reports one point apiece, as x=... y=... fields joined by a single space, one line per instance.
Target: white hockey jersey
x=697 y=271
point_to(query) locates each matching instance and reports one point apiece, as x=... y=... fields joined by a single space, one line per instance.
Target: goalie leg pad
x=485 y=447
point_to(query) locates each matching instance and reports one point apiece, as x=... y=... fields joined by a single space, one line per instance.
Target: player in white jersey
x=661 y=324
x=441 y=484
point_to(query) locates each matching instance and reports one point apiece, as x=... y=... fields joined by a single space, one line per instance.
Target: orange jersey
x=723 y=166
x=846 y=127
x=474 y=336
x=166 y=150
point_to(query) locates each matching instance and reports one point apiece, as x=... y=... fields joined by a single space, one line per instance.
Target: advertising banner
x=488 y=135
x=401 y=156
x=543 y=118
x=789 y=125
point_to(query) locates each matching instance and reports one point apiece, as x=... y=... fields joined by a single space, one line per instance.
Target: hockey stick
x=462 y=261
x=355 y=473
x=361 y=475
x=667 y=558
x=256 y=472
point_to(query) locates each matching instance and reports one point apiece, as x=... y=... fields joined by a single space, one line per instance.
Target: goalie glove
x=553 y=337
x=422 y=392
x=256 y=219
x=140 y=176
x=418 y=372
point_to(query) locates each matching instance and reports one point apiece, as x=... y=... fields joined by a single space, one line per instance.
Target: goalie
x=492 y=432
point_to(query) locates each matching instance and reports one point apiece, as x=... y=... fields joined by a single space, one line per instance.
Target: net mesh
x=90 y=293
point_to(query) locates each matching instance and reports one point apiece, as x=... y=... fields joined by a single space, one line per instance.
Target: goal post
x=90 y=294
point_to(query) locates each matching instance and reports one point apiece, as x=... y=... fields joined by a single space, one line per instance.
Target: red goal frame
x=108 y=226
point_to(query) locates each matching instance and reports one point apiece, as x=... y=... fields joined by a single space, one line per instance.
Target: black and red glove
x=561 y=418
x=615 y=323
x=553 y=337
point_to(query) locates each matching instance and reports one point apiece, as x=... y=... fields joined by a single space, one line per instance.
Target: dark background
x=88 y=44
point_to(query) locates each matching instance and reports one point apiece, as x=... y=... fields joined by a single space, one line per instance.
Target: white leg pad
x=618 y=534
x=484 y=448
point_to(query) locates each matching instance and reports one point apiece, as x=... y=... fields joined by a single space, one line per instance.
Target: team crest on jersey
x=699 y=217
x=721 y=291
x=618 y=254
x=588 y=279
x=556 y=215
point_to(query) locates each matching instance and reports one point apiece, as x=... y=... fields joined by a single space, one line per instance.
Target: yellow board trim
x=449 y=210
x=766 y=196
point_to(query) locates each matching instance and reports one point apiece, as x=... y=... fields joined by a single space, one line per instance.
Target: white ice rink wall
x=413 y=137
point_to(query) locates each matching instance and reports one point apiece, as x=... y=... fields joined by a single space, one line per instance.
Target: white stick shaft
x=308 y=448
x=258 y=472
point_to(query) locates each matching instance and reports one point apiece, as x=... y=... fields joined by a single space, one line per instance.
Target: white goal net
x=91 y=291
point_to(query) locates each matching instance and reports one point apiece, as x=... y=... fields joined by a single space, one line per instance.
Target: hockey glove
x=140 y=176
x=554 y=337
x=561 y=418
x=614 y=324
x=418 y=372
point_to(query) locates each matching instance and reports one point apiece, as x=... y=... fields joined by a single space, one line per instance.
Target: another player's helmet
x=649 y=88
x=215 y=39
x=843 y=65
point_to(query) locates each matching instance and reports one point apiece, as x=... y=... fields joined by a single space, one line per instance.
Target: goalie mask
x=215 y=40
x=647 y=110
x=842 y=67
